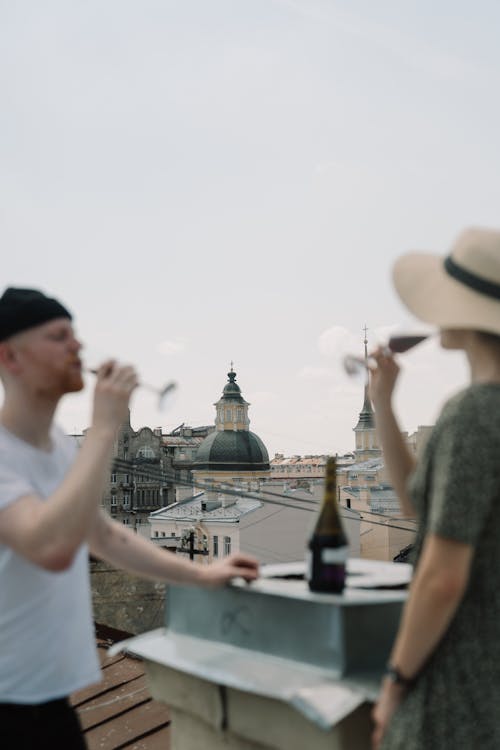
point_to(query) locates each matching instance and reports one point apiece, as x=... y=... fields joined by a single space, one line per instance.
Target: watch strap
x=395 y=675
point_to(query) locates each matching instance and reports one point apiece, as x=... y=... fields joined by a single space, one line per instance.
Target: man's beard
x=74 y=383
x=71 y=380
x=67 y=382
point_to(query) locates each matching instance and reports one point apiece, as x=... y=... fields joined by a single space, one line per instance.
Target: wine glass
x=162 y=392
x=399 y=344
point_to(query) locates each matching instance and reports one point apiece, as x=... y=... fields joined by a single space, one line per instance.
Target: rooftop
x=190 y=510
x=177 y=440
x=119 y=712
x=372 y=464
x=318 y=460
x=376 y=493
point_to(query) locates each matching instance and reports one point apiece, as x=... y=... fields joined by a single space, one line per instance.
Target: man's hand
x=113 y=389
x=237 y=565
x=391 y=695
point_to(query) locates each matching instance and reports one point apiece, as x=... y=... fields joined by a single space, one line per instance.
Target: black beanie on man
x=21 y=309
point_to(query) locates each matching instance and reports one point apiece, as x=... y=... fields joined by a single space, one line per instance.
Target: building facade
x=181 y=447
x=140 y=477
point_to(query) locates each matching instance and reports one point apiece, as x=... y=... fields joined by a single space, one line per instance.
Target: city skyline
x=203 y=183
x=346 y=396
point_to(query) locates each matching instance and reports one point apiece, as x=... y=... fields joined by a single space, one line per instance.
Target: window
x=145 y=452
x=113 y=499
x=113 y=478
x=216 y=546
x=126 y=499
x=227 y=545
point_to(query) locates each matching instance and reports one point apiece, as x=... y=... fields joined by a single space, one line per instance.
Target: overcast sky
x=203 y=181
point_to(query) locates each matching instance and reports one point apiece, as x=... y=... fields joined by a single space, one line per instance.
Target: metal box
x=347 y=633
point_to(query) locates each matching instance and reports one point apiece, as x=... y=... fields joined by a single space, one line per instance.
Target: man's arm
x=49 y=532
x=436 y=591
x=114 y=543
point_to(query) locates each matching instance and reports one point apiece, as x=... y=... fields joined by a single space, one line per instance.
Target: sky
x=206 y=182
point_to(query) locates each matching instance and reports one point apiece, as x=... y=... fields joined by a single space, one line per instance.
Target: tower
x=365 y=433
x=231 y=408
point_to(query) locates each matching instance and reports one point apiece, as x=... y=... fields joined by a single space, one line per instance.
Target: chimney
x=211 y=501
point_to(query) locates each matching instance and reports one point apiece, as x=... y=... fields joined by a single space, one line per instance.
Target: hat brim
x=434 y=297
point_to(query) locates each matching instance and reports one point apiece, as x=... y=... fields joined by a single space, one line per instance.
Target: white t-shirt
x=47 y=642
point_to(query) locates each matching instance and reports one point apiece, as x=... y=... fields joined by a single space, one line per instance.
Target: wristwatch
x=397 y=678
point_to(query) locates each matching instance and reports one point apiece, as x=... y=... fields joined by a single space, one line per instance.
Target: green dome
x=230 y=450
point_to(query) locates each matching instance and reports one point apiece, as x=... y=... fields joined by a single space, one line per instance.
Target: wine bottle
x=328 y=546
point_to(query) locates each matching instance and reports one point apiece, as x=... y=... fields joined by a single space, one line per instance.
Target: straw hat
x=461 y=290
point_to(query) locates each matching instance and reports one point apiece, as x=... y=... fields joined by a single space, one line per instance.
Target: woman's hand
x=391 y=695
x=383 y=377
x=399 y=460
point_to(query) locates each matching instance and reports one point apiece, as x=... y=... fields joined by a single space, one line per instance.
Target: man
x=50 y=520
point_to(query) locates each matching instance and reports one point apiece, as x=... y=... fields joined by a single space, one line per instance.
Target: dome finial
x=231 y=374
x=365 y=329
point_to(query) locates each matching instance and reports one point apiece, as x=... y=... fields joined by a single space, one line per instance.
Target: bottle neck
x=330 y=492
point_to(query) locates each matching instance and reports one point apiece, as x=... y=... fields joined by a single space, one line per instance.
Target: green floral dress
x=455 y=704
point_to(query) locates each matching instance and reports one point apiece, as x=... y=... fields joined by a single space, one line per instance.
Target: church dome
x=232 y=447
x=230 y=450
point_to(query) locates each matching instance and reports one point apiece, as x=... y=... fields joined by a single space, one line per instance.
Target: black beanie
x=21 y=309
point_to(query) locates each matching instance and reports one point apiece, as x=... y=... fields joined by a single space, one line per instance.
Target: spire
x=366 y=420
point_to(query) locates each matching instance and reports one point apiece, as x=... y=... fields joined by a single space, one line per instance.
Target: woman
x=440 y=690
